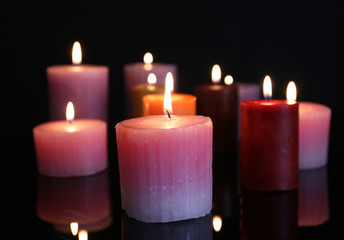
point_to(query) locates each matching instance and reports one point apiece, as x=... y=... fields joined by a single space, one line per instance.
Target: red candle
x=269 y=144
x=219 y=102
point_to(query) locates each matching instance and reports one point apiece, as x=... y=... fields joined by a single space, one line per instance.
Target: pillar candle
x=269 y=145
x=137 y=73
x=220 y=103
x=85 y=85
x=314 y=131
x=165 y=167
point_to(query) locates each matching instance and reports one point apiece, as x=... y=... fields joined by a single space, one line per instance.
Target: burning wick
x=168 y=113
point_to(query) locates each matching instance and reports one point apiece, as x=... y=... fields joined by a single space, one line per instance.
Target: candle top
x=76 y=126
x=163 y=122
x=174 y=96
x=310 y=107
x=77 y=68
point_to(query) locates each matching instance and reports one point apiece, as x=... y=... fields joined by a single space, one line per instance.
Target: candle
x=85 y=85
x=139 y=91
x=183 y=104
x=165 y=166
x=71 y=148
x=269 y=142
x=314 y=131
x=137 y=73
x=220 y=103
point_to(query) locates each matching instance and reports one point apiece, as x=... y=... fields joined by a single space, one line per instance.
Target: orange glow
x=151 y=79
x=83 y=235
x=291 y=92
x=70 y=112
x=229 y=80
x=74 y=228
x=76 y=53
x=217 y=223
x=148 y=58
x=168 y=90
x=267 y=87
x=216 y=74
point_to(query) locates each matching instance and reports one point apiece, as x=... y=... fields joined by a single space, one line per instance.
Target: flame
x=151 y=79
x=267 y=87
x=76 y=53
x=216 y=74
x=229 y=80
x=83 y=235
x=70 y=112
x=291 y=92
x=74 y=227
x=167 y=98
x=148 y=58
x=217 y=223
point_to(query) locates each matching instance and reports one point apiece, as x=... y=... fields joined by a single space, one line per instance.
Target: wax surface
x=220 y=103
x=165 y=167
x=182 y=104
x=76 y=149
x=314 y=131
x=269 y=145
x=138 y=92
x=85 y=85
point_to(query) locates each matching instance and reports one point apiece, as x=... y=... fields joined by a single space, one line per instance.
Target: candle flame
x=76 y=53
x=151 y=79
x=83 y=235
x=70 y=112
x=216 y=74
x=74 y=228
x=291 y=92
x=267 y=87
x=229 y=80
x=148 y=58
x=167 y=98
x=217 y=223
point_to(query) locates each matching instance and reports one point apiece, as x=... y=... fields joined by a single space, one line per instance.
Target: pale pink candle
x=314 y=130
x=85 y=85
x=165 y=167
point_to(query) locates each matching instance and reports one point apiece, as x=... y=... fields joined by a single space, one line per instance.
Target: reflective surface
x=89 y=207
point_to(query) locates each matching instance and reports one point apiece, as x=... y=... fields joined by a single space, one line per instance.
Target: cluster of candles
x=165 y=151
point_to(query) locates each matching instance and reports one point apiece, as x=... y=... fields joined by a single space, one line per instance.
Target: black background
x=288 y=40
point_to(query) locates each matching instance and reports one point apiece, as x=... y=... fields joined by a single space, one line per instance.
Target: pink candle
x=165 y=167
x=314 y=131
x=85 y=85
x=71 y=148
x=137 y=73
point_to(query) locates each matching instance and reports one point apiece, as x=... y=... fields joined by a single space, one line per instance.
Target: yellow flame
x=291 y=92
x=229 y=80
x=74 y=227
x=148 y=58
x=217 y=223
x=216 y=74
x=76 y=53
x=70 y=112
x=151 y=79
x=267 y=87
x=83 y=235
x=168 y=90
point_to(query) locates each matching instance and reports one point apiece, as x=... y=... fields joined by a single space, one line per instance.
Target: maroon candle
x=269 y=144
x=219 y=102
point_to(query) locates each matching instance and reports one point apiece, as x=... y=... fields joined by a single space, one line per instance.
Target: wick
x=168 y=114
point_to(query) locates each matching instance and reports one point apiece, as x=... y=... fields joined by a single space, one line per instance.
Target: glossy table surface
x=38 y=207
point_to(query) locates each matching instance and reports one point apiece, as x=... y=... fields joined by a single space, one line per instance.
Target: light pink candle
x=71 y=148
x=85 y=85
x=165 y=167
x=314 y=130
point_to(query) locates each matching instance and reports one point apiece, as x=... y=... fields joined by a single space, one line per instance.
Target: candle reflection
x=83 y=201
x=197 y=229
x=269 y=215
x=313 y=197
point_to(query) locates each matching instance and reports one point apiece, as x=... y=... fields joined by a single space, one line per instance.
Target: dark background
x=288 y=40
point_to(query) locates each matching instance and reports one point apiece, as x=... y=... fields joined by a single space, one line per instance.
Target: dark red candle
x=269 y=145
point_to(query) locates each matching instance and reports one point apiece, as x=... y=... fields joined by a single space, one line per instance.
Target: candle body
x=137 y=73
x=138 y=92
x=314 y=131
x=220 y=103
x=165 y=167
x=66 y=150
x=85 y=85
x=269 y=145
x=182 y=104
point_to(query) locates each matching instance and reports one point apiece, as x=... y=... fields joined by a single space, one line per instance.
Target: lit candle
x=71 y=148
x=183 y=104
x=269 y=142
x=139 y=91
x=220 y=103
x=85 y=85
x=137 y=73
x=165 y=166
